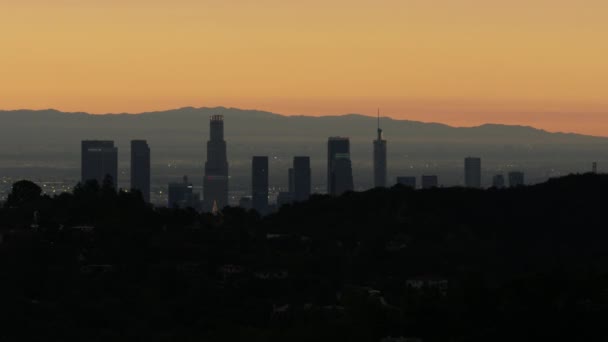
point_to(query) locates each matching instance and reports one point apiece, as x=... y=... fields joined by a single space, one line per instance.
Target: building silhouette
x=215 y=183
x=430 y=181
x=291 y=180
x=472 y=172
x=339 y=168
x=140 y=168
x=379 y=158
x=259 y=184
x=99 y=158
x=516 y=178
x=181 y=195
x=498 y=181
x=407 y=181
x=301 y=178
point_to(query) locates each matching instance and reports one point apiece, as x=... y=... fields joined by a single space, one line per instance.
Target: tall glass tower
x=215 y=184
x=339 y=168
x=140 y=167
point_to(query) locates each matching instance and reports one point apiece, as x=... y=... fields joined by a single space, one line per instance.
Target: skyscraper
x=339 y=168
x=215 y=183
x=99 y=158
x=379 y=158
x=259 y=184
x=140 y=167
x=516 y=178
x=301 y=178
x=472 y=172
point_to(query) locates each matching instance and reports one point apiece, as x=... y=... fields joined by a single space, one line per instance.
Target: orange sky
x=462 y=62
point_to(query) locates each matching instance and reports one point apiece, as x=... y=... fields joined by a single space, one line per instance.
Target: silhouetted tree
x=23 y=193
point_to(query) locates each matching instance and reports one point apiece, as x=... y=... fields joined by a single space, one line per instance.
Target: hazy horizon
x=383 y=115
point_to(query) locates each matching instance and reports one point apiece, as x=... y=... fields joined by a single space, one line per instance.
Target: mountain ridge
x=197 y=110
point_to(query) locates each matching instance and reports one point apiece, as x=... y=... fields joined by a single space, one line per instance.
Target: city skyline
x=461 y=63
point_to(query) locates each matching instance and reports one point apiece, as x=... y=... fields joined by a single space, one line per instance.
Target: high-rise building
x=430 y=181
x=259 y=184
x=99 y=158
x=472 y=172
x=215 y=183
x=407 y=181
x=339 y=168
x=301 y=178
x=379 y=158
x=291 y=180
x=498 y=181
x=181 y=195
x=516 y=178
x=140 y=167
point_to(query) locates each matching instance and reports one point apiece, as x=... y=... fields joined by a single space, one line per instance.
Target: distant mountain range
x=51 y=139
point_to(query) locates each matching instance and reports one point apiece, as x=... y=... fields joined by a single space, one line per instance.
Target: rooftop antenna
x=379 y=129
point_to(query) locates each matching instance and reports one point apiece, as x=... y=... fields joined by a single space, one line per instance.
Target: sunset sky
x=462 y=62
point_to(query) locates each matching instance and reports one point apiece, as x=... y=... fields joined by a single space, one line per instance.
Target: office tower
x=99 y=158
x=301 y=178
x=498 y=181
x=291 y=180
x=472 y=172
x=379 y=158
x=339 y=168
x=594 y=167
x=140 y=167
x=429 y=182
x=407 y=181
x=181 y=195
x=215 y=183
x=259 y=184
x=516 y=178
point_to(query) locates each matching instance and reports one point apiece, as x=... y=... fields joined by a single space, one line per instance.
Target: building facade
x=140 y=168
x=99 y=159
x=302 y=181
x=339 y=167
x=215 y=183
x=472 y=172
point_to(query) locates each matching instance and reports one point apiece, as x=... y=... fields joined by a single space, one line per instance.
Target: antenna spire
x=379 y=129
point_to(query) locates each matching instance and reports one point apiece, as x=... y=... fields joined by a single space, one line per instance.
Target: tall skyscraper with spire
x=215 y=184
x=379 y=158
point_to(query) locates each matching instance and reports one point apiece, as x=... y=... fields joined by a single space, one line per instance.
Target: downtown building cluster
x=100 y=163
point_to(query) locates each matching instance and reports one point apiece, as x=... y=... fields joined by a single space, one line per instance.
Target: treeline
x=448 y=264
